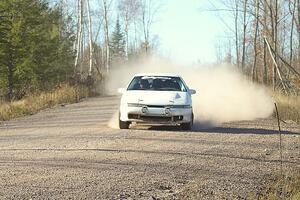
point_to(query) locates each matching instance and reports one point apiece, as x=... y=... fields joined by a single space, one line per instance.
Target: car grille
x=158 y=106
x=155 y=118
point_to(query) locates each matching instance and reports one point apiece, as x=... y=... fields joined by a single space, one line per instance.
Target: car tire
x=187 y=126
x=122 y=124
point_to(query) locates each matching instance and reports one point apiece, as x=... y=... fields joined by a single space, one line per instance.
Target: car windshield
x=159 y=83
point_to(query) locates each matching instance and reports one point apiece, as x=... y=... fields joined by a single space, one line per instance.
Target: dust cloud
x=114 y=120
x=223 y=93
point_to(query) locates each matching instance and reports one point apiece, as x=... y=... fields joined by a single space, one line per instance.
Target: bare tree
x=277 y=69
x=149 y=11
x=236 y=16
x=90 y=39
x=275 y=41
x=292 y=10
x=128 y=9
x=298 y=26
x=105 y=7
x=79 y=32
x=255 y=38
x=275 y=35
x=244 y=34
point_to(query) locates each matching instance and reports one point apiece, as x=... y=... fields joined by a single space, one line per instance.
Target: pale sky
x=187 y=33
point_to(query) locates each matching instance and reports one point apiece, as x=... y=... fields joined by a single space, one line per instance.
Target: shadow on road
x=225 y=130
x=244 y=131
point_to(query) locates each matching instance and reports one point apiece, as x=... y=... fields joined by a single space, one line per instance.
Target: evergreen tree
x=35 y=53
x=117 y=43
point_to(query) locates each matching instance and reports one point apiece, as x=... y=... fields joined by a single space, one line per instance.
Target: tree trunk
x=275 y=43
x=292 y=32
x=236 y=34
x=105 y=10
x=255 y=39
x=277 y=69
x=135 y=36
x=81 y=51
x=148 y=13
x=145 y=29
x=298 y=29
x=126 y=30
x=244 y=34
x=273 y=25
x=265 y=65
x=265 y=76
x=292 y=12
x=10 y=81
x=79 y=32
x=90 y=39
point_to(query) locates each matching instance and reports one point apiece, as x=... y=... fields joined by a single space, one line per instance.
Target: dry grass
x=34 y=103
x=288 y=106
x=287 y=187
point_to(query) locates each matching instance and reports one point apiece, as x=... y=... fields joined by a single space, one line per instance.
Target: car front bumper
x=156 y=115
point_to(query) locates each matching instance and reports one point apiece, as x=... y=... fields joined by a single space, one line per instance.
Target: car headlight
x=167 y=111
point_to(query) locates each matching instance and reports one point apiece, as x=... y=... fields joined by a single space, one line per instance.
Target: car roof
x=157 y=74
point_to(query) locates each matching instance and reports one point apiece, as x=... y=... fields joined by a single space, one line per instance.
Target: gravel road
x=69 y=152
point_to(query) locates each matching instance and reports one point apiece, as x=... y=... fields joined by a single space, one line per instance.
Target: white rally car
x=156 y=99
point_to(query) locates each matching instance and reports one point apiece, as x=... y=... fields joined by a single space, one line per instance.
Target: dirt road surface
x=69 y=152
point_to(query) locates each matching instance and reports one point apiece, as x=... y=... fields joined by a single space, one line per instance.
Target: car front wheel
x=122 y=124
x=187 y=126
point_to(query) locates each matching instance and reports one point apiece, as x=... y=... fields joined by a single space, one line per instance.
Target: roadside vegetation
x=288 y=185
x=266 y=38
x=33 y=103
x=35 y=51
x=288 y=106
x=45 y=44
x=284 y=187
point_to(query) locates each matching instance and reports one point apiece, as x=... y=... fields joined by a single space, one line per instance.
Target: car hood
x=157 y=97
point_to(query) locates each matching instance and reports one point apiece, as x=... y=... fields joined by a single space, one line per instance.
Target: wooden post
x=280 y=137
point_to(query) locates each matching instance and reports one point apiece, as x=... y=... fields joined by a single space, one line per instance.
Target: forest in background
x=46 y=43
x=35 y=48
x=262 y=40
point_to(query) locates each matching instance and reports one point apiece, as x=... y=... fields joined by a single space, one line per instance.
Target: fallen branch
x=276 y=65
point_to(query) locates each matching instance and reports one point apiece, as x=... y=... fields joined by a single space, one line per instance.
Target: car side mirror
x=121 y=90
x=192 y=91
